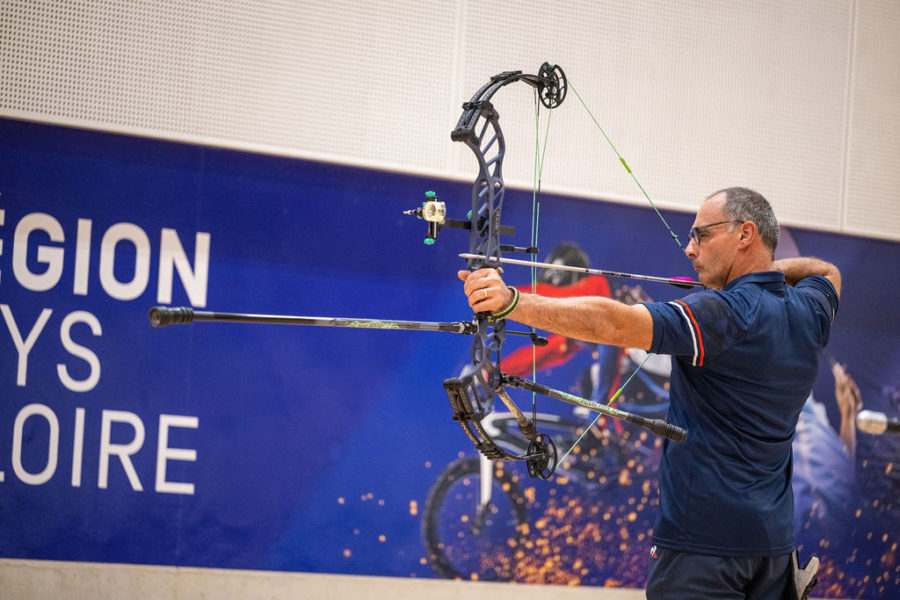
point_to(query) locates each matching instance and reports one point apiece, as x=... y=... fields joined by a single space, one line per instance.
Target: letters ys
x=36 y=261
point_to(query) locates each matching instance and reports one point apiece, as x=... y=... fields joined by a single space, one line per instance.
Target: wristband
x=506 y=311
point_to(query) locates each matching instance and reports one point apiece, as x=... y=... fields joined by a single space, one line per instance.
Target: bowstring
x=661 y=218
x=608 y=403
x=624 y=164
x=540 y=154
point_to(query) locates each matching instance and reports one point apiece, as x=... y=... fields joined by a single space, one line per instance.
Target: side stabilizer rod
x=657 y=426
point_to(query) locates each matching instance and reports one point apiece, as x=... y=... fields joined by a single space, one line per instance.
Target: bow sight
x=434 y=212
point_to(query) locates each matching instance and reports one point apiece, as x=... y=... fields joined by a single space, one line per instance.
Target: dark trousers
x=675 y=575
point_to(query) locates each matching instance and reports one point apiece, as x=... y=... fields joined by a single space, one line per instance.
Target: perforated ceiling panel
x=797 y=99
x=696 y=96
x=335 y=78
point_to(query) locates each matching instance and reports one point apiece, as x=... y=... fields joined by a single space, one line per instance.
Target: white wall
x=798 y=99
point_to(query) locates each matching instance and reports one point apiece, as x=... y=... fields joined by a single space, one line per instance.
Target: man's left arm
x=801 y=267
x=587 y=318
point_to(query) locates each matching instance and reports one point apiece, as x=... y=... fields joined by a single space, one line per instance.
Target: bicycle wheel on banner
x=466 y=538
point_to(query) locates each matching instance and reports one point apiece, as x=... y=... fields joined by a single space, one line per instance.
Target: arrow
x=682 y=282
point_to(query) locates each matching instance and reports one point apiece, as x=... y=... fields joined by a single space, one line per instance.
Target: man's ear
x=748 y=233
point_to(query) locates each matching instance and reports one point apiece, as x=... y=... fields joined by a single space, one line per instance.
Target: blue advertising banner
x=333 y=449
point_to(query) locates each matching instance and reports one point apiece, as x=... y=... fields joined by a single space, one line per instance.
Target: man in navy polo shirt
x=745 y=355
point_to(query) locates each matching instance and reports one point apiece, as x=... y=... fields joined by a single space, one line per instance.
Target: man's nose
x=691 y=250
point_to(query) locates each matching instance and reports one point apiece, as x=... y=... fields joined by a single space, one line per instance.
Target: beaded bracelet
x=506 y=311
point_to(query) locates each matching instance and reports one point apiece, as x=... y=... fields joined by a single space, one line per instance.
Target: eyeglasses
x=696 y=232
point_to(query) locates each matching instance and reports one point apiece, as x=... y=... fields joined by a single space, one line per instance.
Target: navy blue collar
x=771 y=280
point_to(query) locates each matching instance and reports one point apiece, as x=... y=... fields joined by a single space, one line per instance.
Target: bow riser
x=472 y=394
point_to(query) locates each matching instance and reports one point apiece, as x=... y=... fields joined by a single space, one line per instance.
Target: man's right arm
x=801 y=267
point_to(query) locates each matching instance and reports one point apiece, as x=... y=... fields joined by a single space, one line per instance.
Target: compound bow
x=472 y=393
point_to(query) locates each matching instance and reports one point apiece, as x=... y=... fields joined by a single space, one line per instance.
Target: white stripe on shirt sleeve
x=690 y=326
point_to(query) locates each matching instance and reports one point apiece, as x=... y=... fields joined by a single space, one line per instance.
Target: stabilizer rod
x=657 y=426
x=160 y=316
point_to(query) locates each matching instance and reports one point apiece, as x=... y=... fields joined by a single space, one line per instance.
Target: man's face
x=713 y=248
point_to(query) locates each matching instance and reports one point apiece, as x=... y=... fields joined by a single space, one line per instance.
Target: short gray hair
x=742 y=204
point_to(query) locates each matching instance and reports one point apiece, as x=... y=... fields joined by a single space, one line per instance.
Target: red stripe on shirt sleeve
x=697 y=329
